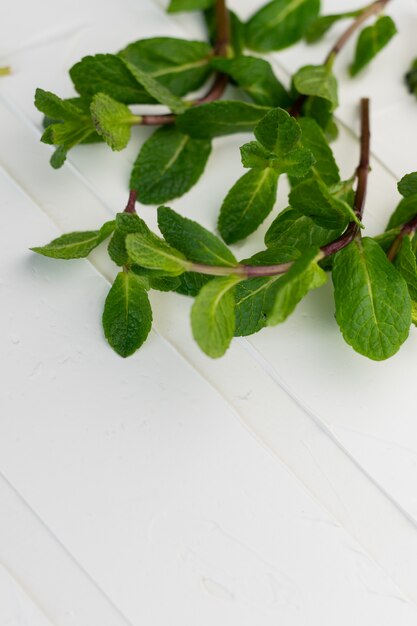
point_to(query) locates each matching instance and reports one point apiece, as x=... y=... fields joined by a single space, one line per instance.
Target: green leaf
x=76 y=245
x=59 y=157
x=165 y=283
x=56 y=108
x=404 y=212
x=191 y=283
x=312 y=198
x=127 y=316
x=321 y=111
x=178 y=64
x=318 y=81
x=126 y=223
x=280 y=24
x=157 y=90
x=71 y=124
x=247 y=204
x=373 y=307
x=278 y=132
x=273 y=255
x=385 y=240
x=255 y=156
x=295 y=163
x=313 y=139
x=168 y=165
x=213 y=316
x=220 y=118
x=176 y=6
x=81 y=103
x=408 y=185
x=253 y=299
x=107 y=73
x=149 y=251
x=112 y=120
x=256 y=78
x=322 y=24
x=371 y=41
x=195 y=242
x=406 y=264
x=411 y=78
x=294 y=229
x=304 y=275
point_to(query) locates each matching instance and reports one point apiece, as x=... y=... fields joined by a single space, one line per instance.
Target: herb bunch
x=375 y=279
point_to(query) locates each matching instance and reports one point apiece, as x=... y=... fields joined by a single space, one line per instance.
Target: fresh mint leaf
x=256 y=78
x=295 y=163
x=318 y=81
x=408 y=185
x=313 y=139
x=112 y=120
x=83 y=105
x=404 y=212
x=156 y=89
x=294 y=229
x=323 y=24
x=253 y=299
x=255 y=156
x=107 y=73
x=191 y=283
x=304 y=275
x=213 y=316
x=411 y=78
x=179 y=65
x=273 y=255
x=56 y=108
x=59 y=157
x=321 y=111
x=280 y=23
x=406 y=264
x=371 y=41
x=373 y=307
x=168 y=165
x=195 y=242
x=385 y=240
x=76 y=245
x=313 y=198
x=127 y=317
x=126 y=223
x=151 y=252
x=247 y=204
x=71 y=126
x=176 y=6
x=165 y=283
x=223 y=117
x=278 y=132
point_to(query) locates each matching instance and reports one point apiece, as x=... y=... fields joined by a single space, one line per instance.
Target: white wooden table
x=276 y=486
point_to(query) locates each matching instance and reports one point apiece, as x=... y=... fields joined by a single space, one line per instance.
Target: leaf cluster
x=318 y=232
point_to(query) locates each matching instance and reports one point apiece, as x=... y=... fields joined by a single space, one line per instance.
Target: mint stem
x=130 y=207
x=373 y=9
x=221 y=80
x=352 y=231
x=362 y=173
x=408 y=229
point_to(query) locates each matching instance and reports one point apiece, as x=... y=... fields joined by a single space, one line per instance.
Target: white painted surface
x=168 y=488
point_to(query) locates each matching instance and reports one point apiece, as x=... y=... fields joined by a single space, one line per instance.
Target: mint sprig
x=320 y=230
